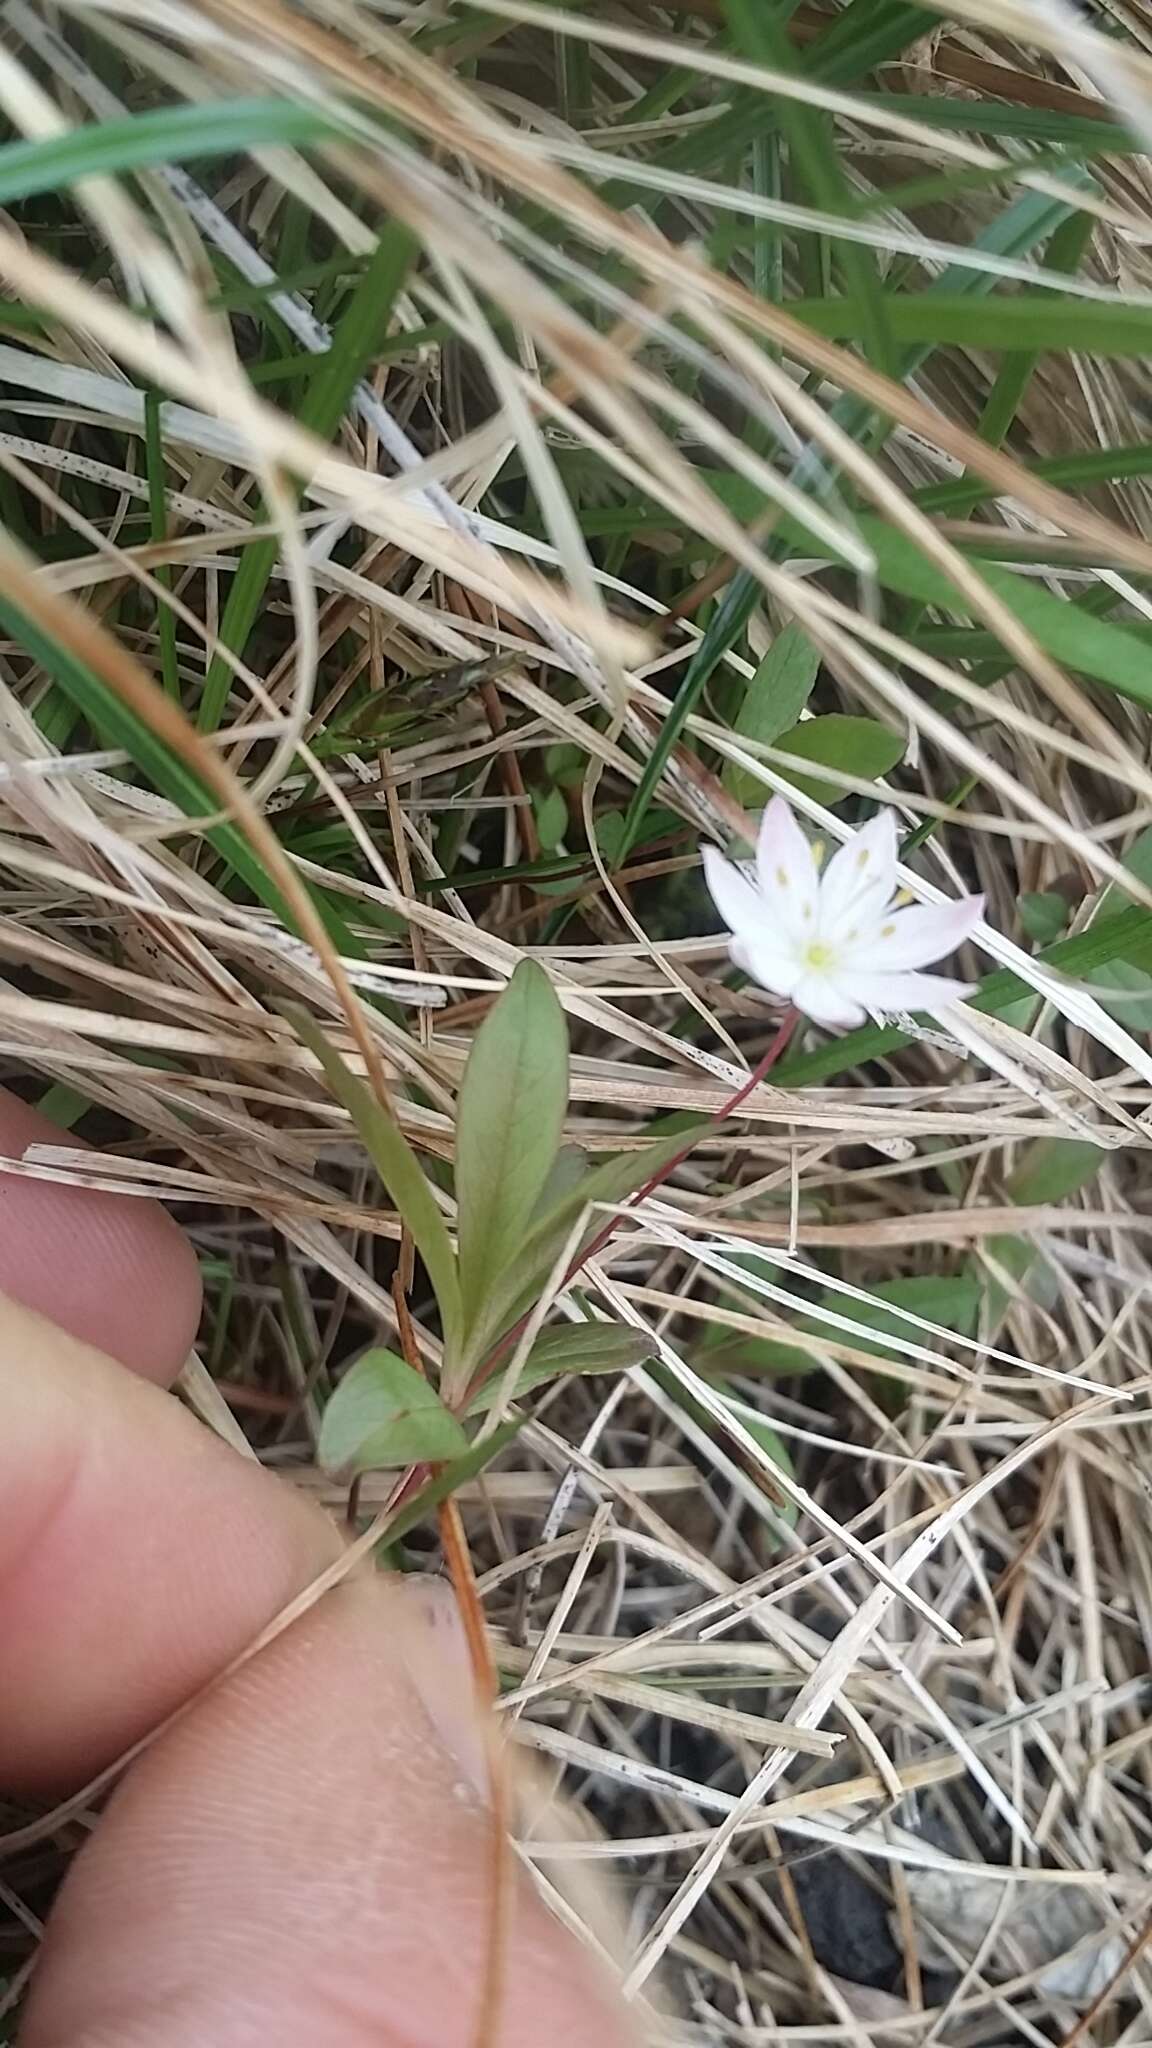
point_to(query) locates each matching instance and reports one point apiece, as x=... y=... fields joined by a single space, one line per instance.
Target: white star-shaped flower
x=833 y=944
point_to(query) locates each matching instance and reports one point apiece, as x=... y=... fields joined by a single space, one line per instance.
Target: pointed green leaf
x=1044 y=914
x=612 y=1181
x=951 y=1301
x=854 y=746
x=384 y=1414
x=568 y=1171
x=575 y=1348
x=398 y=1167
x=1050 y=1169
x=1132 y=985
x=446 y=1481
x=165 y=135
x=773 y=701
x=509 y=1120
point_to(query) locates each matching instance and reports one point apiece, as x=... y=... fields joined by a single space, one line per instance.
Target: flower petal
x=915 y=937
x=859 y=881
x=733 y=892
x=788 y=878
x=884 y=995
x=826 y=1001
x=776 y=968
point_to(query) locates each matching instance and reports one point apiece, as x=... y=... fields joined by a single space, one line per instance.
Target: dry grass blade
x=753 y=405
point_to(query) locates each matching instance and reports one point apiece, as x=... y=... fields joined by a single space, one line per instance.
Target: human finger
x=112 y=1269
x=306 y=1858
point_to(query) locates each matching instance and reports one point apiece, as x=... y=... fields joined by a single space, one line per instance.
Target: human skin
x=303 y=1858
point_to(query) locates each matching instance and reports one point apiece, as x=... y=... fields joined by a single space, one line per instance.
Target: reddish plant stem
x=764 y=1065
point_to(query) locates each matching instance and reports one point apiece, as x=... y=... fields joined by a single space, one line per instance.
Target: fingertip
x=114 y=1271
x=302 y=1859
x=138 y=1555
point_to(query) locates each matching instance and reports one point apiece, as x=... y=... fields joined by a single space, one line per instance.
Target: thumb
x=306 y=1858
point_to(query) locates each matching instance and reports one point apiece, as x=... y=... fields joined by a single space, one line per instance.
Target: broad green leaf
x=575 y=1348
x=398 y=1167
x=854 y=746
x=446 y=1481
x=509 y=1120
x=568 y=1171
x=951 y=1300
x=612 y=1181
x=773 y=701
x=1043 y=914
x=1053 y=1168
x=384 y=1413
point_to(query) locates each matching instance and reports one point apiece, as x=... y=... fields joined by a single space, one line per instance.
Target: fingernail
x=434 y=1649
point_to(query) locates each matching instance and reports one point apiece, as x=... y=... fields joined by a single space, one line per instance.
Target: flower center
x=819 y=957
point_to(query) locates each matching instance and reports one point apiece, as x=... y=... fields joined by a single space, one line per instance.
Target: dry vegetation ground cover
x=454 y=460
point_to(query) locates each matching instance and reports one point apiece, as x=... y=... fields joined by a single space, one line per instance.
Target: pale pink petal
x=916 y=937
x=826 y=1002
x=736 y=897
x=885 y=994
x=776 y=968
x=787 y=871
x=859 y=881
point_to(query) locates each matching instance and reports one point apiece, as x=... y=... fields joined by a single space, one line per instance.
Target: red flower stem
x=764 y=1065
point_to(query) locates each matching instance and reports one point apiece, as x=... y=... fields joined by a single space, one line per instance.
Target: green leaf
x=1096 y=647
x=398 y=1167
x=1043 y=914
x=568 y=1171
x=510 y=1117
x=1131 y=984
x=1049 y=1170
x=576 y=1348
x=1053 y=1168
x=332 y=380
x=952 y=1301
x=773 y=701
x=384 y=1413
x=170 y=135
x=773 y=1445
x=446 y=1481
x=1025 y=320
x=854 y=746
x=551 y=815
x=612 y=1181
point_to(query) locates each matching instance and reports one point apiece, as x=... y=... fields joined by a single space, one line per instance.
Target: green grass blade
x=172 y=135
x=362 y=327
